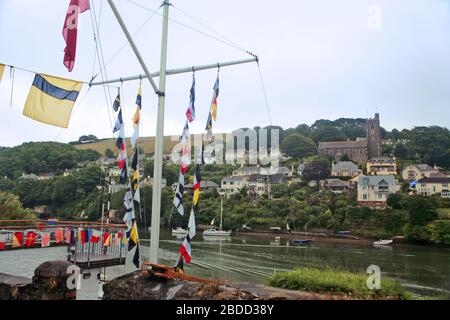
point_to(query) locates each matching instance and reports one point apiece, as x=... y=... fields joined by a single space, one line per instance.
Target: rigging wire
x=237 y=47
x=100 y=56
x=125 y=44
x=209 y=28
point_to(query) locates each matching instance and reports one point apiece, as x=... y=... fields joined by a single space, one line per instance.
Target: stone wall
x=49 y=283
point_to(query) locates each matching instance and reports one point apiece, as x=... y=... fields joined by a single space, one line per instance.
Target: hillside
x=146 y=143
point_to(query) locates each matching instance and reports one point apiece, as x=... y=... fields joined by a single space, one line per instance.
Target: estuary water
x=425 y=270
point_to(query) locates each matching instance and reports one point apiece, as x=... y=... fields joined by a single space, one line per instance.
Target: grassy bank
x=329 y=281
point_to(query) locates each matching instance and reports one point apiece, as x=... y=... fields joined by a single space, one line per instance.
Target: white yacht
x=214 y=232
x=179 y=231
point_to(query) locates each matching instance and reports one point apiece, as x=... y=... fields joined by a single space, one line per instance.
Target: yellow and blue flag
x=51 y=100
x=2 y=68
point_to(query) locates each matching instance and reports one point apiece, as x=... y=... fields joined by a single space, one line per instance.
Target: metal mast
x=159 y=141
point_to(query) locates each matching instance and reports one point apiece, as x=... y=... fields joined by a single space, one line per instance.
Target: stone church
x=360 y=150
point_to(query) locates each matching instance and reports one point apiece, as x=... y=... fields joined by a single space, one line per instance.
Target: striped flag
x=214 y=99
x=51 y=100
x=185 y=159
x=116 y=103
x=17 y=239
x=197 y=182
x=70 y=30
x=190 y=113
x=191 y=224
x=119 y=122
x=178 y=199
x=185 y=250
x=30 y=239
x=137 y=118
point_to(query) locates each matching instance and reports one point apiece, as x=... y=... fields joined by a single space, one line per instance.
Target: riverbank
x=147 y=285
x=301 y=235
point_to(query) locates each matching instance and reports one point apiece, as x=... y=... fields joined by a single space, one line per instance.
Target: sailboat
x=213 y=232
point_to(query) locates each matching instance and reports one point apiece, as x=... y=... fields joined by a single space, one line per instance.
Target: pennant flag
x=209 y=126
x=116 y=103
x=127 y=199
x=106 y=239
x=30 y=239
x=2 y=241
x=191 y=225
x=123 y=176
x=133 y=238
x=179 y=267
x=119 y=122
x=2 y=68
x=185 y=159
x=178 y=199
x=137 y=195
x=70 y=236
x=136 y=258
x=134 y=163
x=83 y=236
x=17 y=239
x=190 y=113
x=135 y=180
x=95 y=238
x=87 y=235
x=214 y=99
x=197 y=182
x=137 y=118
x=45 y=241
x=70 y=30
x=185 y=250
x=51 y=100
x=59 y=235
x=201 y=155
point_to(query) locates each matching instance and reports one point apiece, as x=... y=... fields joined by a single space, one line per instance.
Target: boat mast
x=159 y=141
x=221 y=210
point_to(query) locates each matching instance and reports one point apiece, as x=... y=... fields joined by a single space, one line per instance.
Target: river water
x=243 y=258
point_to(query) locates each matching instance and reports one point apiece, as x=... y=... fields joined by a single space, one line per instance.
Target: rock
x=49 y=283
x=144 y=285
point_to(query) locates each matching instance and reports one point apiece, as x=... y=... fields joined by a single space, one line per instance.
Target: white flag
x=191 y=225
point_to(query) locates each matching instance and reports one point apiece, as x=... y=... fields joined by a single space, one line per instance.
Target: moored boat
x=383 y=242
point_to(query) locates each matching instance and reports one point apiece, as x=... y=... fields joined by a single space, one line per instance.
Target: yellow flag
x=51 y=100
x=2 y=68
x=134 y=234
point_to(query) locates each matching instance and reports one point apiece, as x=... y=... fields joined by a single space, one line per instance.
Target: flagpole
x=159 y=141
x=176 y=71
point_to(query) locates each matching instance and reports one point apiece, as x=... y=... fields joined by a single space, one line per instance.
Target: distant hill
x=146 y=143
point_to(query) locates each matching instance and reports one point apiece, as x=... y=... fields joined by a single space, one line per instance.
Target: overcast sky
x=319 y=59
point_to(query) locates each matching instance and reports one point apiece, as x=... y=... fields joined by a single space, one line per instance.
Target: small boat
x=301 y=241
x=383 y=242
x=214 y=232
x=179 y=231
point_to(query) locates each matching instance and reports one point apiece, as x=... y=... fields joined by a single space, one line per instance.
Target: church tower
x=373 y=137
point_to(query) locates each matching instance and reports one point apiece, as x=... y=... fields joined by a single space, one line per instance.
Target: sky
x=319 y=59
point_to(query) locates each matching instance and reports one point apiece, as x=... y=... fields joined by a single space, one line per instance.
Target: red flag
x=70 y=30
x=41 y=226
x=185 y=250
x=83 y=237
x=17 y=240
x=30 y=239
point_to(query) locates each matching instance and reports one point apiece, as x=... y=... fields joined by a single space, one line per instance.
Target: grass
x=444 y=213
x=330 y=281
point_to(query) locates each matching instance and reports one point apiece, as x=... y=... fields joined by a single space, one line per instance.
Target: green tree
x=109 y=153
x=297 y=146
x=400 y=151
x=316 y=170
x=328 y=133
x=12 y=209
